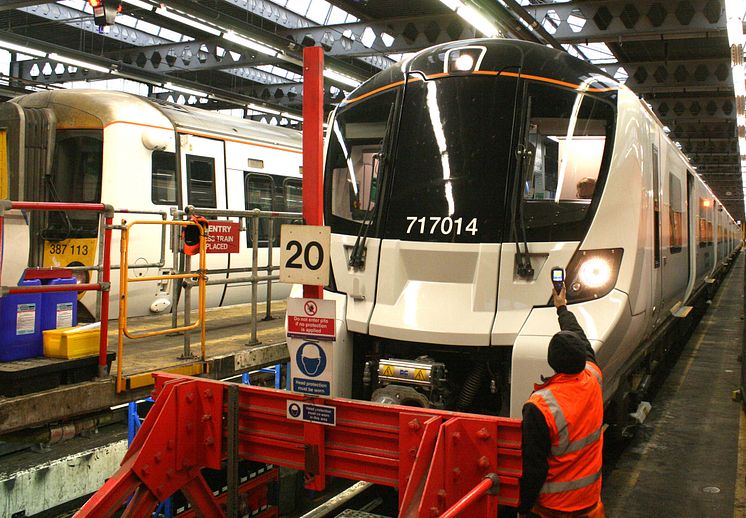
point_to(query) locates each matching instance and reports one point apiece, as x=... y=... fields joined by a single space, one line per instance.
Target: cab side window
x=163 y=178
x=201 y=181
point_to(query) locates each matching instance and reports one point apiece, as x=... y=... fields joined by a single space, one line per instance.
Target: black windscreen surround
x=452 y=161
x=516 y=149
x=570 y=137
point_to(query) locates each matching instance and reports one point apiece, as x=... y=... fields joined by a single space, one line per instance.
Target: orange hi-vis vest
x=572 y=405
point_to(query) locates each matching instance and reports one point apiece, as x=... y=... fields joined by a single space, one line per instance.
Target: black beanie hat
x=566 y=353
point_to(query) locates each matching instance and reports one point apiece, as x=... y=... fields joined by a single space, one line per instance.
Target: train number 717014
x=439 y=225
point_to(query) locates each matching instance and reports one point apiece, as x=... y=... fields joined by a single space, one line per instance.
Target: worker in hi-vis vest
x=562 y=429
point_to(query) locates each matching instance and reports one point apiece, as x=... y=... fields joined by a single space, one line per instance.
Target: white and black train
x=456 y=180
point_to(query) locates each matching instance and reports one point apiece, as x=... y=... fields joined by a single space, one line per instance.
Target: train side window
x=163 y=188
x=676 y=214
x=258 y=191
x=201 y=181
x=705 y=226
x=293 y=194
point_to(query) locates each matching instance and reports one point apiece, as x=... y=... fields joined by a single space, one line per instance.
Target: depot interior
x=69 y=406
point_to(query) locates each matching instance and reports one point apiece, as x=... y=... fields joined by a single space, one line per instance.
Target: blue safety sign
x=311 y=359
x=311 y=368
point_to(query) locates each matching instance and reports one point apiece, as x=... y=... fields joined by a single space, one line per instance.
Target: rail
x=253 y=216
x=103 y=286
x=124 y=281
x=443 y=463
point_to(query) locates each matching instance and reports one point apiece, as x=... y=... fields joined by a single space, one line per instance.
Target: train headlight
x=592 y=273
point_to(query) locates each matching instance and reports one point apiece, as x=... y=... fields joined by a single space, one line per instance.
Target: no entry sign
x=223 y=237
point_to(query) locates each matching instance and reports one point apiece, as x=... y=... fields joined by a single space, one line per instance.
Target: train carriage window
x=676 y=214
x=163 y=177
x=293 y=195
x=201 y=181
x=258 y=191
x=705 y=226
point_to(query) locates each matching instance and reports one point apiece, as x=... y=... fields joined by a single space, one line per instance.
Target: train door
x=657 y=276
x=674 y=248
x=204 y=185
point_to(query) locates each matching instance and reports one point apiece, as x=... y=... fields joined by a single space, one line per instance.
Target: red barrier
x=437 y=459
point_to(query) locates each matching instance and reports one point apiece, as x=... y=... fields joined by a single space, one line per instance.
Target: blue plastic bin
x=20 y=325
x=59 y=309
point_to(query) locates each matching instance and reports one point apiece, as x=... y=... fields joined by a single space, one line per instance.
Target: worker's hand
x=560 y=299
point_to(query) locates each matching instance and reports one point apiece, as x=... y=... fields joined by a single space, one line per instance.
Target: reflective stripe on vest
x=559 y=487
x=595 y=373
x=564 y=445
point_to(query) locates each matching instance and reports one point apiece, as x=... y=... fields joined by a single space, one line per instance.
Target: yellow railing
x=124 y=281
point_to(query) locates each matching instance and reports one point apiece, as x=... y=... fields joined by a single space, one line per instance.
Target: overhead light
x=77 y=63
x=341 y=78
x=187 y=21
x=139 y=3
x=478 y=21
x=259 y=108
x=453 y=5
x=185 y=90
x=250 y=44
x=22 y=49
x=291 y=116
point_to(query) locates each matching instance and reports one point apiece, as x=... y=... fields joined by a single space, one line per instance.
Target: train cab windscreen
x=568 y=144
x=446 y=161
x=75 y=177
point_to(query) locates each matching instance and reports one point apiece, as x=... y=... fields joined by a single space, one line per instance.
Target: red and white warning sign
x=223 y=237
x=311 y=318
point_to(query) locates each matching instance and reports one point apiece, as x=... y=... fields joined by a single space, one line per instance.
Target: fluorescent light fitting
x=452 y=4
x=291 y=116
x=22 y=49
x=140 y=4
x=191 y=22
x=259 y=108
x=77 y=63
x=341 y=78
x=249 y=44
x=478 y=21
x=185 y=90
x=734 y=13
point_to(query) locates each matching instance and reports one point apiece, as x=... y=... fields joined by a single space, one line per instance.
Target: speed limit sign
x=304 y=254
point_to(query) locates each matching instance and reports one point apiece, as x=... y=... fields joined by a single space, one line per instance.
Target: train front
x=454 y=182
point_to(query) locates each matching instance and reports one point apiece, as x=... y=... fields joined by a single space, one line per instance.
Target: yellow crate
x=61 y=343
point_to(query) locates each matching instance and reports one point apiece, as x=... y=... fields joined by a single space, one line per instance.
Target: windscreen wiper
x=524 y=154
x=45 y=234
x=357 y=256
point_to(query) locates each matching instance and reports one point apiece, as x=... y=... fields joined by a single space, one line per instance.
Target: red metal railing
x=103 y=286
x=442 y=462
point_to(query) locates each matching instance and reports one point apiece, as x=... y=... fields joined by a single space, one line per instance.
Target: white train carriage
x=457 y=179
x=142 y=155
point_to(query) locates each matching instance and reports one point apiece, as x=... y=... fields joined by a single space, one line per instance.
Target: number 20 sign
x=304 y=254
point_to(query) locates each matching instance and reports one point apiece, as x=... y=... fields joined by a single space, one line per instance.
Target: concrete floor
x=686 y=460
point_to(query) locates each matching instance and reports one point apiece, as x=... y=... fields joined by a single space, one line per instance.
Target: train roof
x=509 y=56
x=99 y=108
